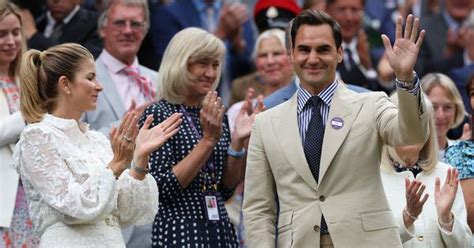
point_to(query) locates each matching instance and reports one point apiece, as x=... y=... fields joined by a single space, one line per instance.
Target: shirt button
x=322 y=198
x=420 y=238
x=316 y=228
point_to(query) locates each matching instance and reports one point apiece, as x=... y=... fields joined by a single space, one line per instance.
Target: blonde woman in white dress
x=79 y=190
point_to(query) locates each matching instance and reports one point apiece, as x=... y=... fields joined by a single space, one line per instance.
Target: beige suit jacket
x=350 y=193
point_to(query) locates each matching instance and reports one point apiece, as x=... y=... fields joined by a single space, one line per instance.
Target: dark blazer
x=431 y=58
x=82 y=29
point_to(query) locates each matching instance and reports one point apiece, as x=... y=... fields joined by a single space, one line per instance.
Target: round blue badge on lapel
x=337 y=123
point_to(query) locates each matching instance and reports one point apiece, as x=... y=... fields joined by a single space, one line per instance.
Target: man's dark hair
x=315 y=18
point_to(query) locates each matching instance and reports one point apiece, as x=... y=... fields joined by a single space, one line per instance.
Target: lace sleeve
x=79 y=197
x=137 y=199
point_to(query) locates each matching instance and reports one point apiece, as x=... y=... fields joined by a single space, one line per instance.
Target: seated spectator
x=64 y=21
x=274 y=69
x=14 y=215
x=436 y=218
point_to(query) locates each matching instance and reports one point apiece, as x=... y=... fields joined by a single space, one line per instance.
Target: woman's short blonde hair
x=430 y=80
x=277 y=33
x=428 y=157
x=174 y=77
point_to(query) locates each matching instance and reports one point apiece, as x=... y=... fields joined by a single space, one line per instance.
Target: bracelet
x=140 y=170
x=450 y=223
x=409 y=215
x=231 y=152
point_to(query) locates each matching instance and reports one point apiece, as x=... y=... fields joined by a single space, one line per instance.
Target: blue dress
x=461 y=156
x=181 y=220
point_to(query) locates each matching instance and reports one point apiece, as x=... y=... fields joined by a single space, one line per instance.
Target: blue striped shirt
x=304 y=110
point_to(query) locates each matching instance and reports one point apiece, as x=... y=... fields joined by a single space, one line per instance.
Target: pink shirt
x=126 y=86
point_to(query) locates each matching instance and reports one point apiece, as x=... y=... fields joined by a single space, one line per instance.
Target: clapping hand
x=150 y=139
x=402 y=56
x=122 y=140
x=445 y=195
x=246 y=116
x=211 y=116
x=413 y=194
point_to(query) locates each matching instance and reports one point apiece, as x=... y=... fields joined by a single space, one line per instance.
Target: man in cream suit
x=127 y=86
x=329 y=189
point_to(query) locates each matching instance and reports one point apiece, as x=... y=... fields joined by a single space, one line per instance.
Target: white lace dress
x=74 y=199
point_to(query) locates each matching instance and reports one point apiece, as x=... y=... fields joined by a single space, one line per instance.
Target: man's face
x=459 y=9
x=61 y=8
x=124 y=31
x=349 y=14
x=315 y=57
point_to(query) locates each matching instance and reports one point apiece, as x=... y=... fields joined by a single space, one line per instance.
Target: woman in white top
x=79 y=189
x=437 y=218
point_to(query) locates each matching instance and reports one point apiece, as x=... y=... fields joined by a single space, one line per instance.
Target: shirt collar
x=351 y=45
x=65 y=124
x=115 y=65
x=201 y=5
x=325 y=95
x=67 y=19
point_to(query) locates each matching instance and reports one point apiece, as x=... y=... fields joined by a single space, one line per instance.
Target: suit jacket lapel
x=343 y=106
x=285 y=127
x=110 y=92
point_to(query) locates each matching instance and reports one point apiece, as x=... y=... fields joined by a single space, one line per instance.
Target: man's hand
x=403 y=55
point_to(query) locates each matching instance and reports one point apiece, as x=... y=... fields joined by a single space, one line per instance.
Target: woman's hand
x=122 y=140
x=413 y=192
x=211 y=116
x=148 y=140
x=445 y=195
x=246 y=116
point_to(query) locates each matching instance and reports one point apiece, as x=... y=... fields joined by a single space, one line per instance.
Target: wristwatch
x=407 y=84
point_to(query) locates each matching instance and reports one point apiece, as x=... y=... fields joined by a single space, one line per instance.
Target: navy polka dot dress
x=181 y=219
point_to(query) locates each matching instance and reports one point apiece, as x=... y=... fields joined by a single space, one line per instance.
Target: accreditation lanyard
x=209 y=168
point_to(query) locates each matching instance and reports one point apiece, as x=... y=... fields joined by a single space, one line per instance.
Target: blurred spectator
x=229 y=22
x=268 y=14
x=358 y=62
x=16 y=229
x=460 y=75
x=128 y=86
x=444 y=43
x=274 y=69
x=64 y=21
x=447 y=104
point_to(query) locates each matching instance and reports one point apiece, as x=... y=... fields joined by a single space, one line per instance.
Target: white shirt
x=52 y=22
x=72 y=195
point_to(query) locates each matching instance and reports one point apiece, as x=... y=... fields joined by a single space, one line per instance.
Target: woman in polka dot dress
x=197 y=169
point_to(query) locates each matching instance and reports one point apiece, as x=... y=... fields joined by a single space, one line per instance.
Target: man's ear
x=339 y=54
